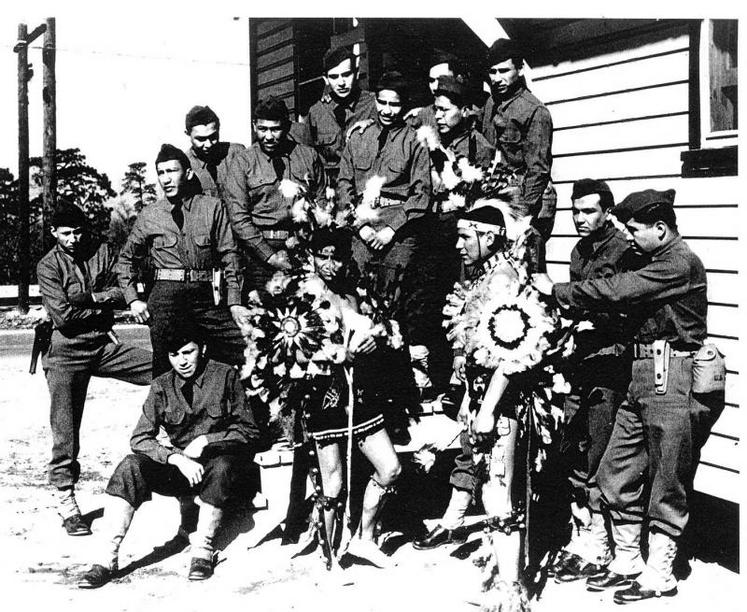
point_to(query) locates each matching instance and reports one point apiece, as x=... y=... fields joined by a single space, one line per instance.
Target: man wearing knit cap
x=208 y=156
x=188 y=237
x=601 y=374
x=520 y=126
x=389 y=152
x=342 y=105
x=259 y=211
x=79 y=292
x=664 y=422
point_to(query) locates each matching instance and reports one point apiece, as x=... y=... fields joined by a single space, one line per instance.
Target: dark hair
x=339 y=238
x=335 y=57
x=661 y=211
x=200 y=115
x=587 y=186
x=169 y=152
x=444 y=57
x=393 y=81
x=504 y=49
x=184 y=332
x=272 y=109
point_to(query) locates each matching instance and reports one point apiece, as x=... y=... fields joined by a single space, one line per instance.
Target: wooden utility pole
x=24 y=75
x=49 y=96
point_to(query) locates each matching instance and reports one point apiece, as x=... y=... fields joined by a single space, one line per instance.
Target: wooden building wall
x=623 y=116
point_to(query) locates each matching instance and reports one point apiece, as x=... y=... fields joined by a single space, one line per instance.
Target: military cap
x=393 y=81
x=451 y=88
x=272 y=108
x=486 y=218
x=335 y=57
x=504 y=49
x=443 y=57
x=67 y=214
x=200 y=115
x=587 y=186
x=169 y=152
x=641 y=201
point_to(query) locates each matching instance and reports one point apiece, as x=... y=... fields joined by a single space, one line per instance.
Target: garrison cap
x=451 y=88
x=640 y=201
x=503 y=49
x=200 y=115
x=393 y=81
x=68 y=214
x=335 y=57
x=443 y=57
x=169 y=152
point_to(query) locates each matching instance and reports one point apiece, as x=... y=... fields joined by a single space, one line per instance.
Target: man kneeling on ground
x=202 y=407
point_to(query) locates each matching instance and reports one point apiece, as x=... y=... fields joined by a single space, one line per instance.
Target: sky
x=125 y=82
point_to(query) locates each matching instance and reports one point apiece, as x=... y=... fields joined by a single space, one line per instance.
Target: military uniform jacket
x=467 y=143
x=212 y=175
x=667 y=296
x=327 y=134
x=521 y=128
x=404 y=163
x=205 y=242
x=79 y=296
x=253 y=198
x=219 y=411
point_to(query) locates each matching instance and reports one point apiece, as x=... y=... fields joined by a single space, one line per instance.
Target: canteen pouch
x=709 y=370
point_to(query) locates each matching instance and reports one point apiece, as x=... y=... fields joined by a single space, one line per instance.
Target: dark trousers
x=68 y=366
x=655 y=446
x=137 y=477
x=171 y=302
x=463 y=474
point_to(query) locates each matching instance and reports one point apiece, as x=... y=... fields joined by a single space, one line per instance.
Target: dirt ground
x=39 y=562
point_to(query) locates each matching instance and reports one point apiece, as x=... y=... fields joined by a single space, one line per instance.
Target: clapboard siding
x=283 y=54
x=283 y=72
x=624 y=117
x=276 y=39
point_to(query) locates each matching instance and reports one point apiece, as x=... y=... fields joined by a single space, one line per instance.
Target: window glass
x=723 y=74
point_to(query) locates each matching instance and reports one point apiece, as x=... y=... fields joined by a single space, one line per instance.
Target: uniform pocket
x=162 y=241
x=202 y=240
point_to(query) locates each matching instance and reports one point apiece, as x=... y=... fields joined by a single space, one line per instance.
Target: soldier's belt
x=386 y=202
x=274 y=234
x=649 y=351
x=184 y=275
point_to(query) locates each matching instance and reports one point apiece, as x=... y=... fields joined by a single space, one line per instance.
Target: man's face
x=328 y=264
x=203 y=139
x=503 y=75
x=69 y=238
x=643 y=237
x=341 y=79
x=437 y=71
x=172 y=177
x=473 y=246
x=388 y=106
x=588 y=216
x=186 y=359
x=448 y=114
x=270 y=134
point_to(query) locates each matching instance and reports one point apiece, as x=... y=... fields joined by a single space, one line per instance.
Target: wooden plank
x=653 y=101
x=644 y=72
x=284 y=36
x=711 y=222
x=277 y=89
x=284 y=53
x=645 y=133
x=284 y=71
x=600 y=61
x=266 y=25
x=722 y=452
x=640 y=163
x=733 y=391
x=719 y=483
x=730 y=423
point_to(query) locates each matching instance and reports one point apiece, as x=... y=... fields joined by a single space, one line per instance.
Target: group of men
x=221 y=230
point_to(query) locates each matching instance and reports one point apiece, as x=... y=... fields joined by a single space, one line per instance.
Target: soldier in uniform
x=78 y=288
x=441 y=64
x=661 y=427
x=601 y=374
x=209 y=157
x=259 y=212
x=189 y=239
x=202 y=407
x=342 y=105
x=520 y=126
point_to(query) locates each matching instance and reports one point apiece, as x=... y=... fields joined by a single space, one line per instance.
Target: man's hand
x=195 y=447
x=191 y=470
x=279 y=260
x=543 y=283
x=412 y=113
x=241 y=316
x=140 y=311
x=365 y=347
x=359 y=126
x=484 y=423
x=464 y=415
x=367 y=234
x=382 y=238
x=459 y=364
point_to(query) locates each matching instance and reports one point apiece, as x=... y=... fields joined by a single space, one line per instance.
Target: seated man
x=202 y=407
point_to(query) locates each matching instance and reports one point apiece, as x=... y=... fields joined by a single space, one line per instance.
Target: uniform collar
x=599 y=238
x=460 y=134
x=519 y=88
x=350 y=102
x=199 y=378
